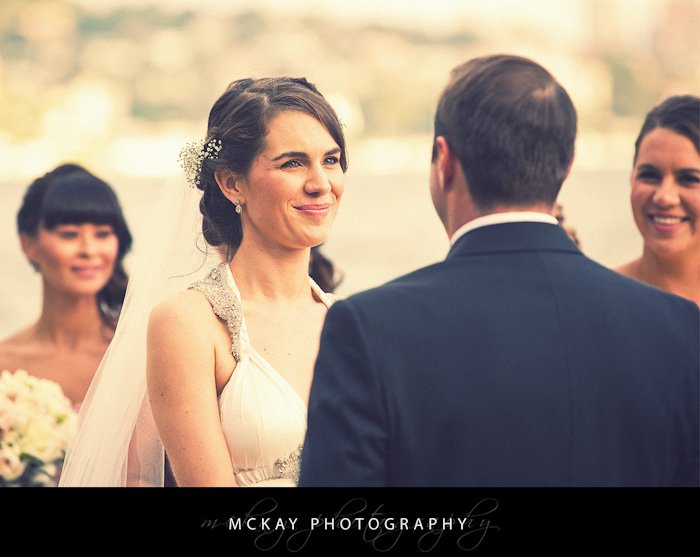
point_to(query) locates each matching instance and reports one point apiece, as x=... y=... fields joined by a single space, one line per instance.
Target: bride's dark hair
x=239 y=119
x=323 y=271
x=69 y=194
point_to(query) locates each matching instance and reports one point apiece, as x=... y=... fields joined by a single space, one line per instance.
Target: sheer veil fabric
x=117 y=443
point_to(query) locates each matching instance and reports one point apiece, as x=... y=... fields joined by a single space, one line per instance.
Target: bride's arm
x=182 y=391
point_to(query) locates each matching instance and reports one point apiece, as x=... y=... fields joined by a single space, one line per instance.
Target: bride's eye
x=293 y=163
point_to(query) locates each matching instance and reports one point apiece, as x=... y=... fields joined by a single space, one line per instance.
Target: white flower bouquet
x=36 y=424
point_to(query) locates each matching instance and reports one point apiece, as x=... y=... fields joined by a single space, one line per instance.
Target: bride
x=227 y=362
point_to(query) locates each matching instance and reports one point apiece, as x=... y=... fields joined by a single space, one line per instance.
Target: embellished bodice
x=225 y=303
x=263 y=418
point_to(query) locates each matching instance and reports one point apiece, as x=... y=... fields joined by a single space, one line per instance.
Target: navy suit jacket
x=517 y=361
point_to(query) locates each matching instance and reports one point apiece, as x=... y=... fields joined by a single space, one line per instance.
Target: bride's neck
x=271 y=273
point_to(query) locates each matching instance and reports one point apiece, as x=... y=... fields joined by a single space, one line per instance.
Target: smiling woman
x=226 y=361
x=290 y=195
x=286 y=193
x=73 y=233
x=665 y=198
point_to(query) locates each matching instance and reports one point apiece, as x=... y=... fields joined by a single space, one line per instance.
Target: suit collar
x=513 y=237
x=501 y=218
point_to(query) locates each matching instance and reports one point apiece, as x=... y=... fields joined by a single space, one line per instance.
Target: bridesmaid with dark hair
x=73 y=233
x=665 y=198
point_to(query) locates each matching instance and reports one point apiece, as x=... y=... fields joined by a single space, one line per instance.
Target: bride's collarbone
x=284 y=338
x=287 y=338
x=283 y=324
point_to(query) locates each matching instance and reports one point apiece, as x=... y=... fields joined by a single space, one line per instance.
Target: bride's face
x=292 y=191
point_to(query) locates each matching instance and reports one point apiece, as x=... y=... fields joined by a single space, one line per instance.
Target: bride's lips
x=667 y=223
x=314 y=210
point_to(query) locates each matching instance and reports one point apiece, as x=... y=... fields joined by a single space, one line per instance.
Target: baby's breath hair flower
x=192 y=156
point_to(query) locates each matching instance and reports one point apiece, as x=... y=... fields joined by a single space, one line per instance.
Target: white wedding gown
x=262 y=416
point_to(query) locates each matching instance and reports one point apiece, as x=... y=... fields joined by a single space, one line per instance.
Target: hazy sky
x=559 y=13
x=567 y=20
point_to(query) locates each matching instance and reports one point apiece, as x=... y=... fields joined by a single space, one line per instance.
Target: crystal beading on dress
x=224 y=304
x=289 y=467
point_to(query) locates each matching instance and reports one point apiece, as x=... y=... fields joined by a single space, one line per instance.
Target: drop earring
x=239 y=209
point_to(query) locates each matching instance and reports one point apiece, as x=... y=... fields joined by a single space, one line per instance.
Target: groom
x=517 y=361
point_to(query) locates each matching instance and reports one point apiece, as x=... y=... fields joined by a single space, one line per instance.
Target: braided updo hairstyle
x=239 y=119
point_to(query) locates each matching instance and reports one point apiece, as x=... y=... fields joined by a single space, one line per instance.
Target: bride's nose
x=317 y=181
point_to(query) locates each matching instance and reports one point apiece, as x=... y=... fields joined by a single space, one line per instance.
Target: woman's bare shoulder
x=182 y=342
x=16 y=348
x=629 y=269
x=184 y=310
x=21 y=336
x=18 y=341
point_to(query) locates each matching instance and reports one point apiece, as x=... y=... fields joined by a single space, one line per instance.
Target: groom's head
x=511 y=128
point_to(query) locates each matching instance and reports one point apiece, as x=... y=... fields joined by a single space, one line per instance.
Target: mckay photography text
x=268 y=526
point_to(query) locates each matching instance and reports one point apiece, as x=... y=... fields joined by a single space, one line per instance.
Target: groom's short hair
x=512 y=127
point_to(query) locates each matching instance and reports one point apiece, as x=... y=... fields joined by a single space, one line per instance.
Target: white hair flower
x=192 y=156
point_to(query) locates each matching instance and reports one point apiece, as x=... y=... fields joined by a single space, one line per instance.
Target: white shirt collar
x=502 y=218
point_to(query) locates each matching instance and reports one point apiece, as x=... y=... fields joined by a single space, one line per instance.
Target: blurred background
x=121 y=85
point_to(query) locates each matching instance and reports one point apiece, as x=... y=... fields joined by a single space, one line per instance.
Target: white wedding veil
x=117 y=443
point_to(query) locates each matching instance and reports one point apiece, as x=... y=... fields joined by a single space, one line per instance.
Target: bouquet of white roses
x=36 y=423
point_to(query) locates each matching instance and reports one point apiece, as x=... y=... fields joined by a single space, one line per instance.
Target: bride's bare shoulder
x=181 y=343
x=185 y=310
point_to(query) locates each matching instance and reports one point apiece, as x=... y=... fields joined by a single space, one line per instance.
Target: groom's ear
x=571 y=163
x=230 y=185
x=445 y=163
